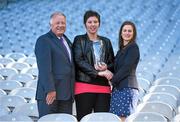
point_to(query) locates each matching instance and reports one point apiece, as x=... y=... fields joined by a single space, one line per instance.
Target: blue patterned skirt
x=124 y=101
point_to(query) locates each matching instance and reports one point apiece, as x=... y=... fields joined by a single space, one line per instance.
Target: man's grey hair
x=55 y=14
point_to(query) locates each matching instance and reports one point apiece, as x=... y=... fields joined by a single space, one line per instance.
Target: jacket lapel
x=56 y=40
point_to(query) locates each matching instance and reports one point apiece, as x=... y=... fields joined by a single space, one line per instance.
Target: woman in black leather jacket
x=94 y=57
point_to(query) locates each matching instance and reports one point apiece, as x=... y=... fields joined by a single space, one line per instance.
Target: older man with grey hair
x=55 y=89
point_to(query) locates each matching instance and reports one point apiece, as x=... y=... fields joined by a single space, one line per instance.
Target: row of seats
x=94 y=117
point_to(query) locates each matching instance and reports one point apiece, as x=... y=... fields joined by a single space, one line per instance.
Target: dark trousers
x=58 y=106
x=88 y=102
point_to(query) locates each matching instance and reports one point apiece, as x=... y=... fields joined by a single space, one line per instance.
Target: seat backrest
x=27 y=93
x=167 y=89
x=61 y=117
x=16 y=118
x=101 y=117
x=168 y=81
x=12 y=101
x=4 y=110
x=162 y=97
x=29 y=109
x=23 y=78
x=158 y=107
x=146 y=117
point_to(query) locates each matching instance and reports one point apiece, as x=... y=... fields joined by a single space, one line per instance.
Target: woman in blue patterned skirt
x=125 y=87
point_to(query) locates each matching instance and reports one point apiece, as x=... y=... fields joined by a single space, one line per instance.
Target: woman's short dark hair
x=120 y=32
x=91 y=13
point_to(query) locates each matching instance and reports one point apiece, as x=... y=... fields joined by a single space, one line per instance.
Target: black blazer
x=125 y=65
x=84 y=60
x=56 y=71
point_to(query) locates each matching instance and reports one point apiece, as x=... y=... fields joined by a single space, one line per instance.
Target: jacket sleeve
x=110 y=57
x=132 y=56
x=43 y=56
x=80 y=59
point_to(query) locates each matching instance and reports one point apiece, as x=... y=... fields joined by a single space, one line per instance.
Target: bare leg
x=123 y=119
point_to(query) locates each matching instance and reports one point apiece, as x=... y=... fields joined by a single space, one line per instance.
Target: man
x=55 y=89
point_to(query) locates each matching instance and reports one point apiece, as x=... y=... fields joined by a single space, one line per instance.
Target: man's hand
x=51 y=96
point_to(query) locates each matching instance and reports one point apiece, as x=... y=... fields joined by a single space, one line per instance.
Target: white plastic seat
x=27 y=93
x=162 y=97
x=12 y=101
x=174 y=81
x=4 y=61
x=159 y=107
x=29 y=60
x=4 y=110
x=23 y=78
x=18 y=65
x=15 y=118
x=33 y=71
x=146 y=75
x=166 y=89
x=143 y=83
x=146 y=117
x=169 y=73
x=8 y=85
x=61 y=117
x=29 y=109
x=15 y=56
x=6 y=72
x=31 y=84
x=101 y=117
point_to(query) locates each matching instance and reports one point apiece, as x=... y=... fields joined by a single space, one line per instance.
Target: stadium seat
x=4 y=61
x=29 y=109
x=31 y=84
x=146 y=117
x=15 y=56
x=6 y=72
x=4 y=110
x=18 y=65
x=174 y=81
x=162 y=97
x=9 y=85
x=15 y=118
x=101 y=117
x=12 y=101
x=31 y=70
x=166 y=89
x=61 y=117
x=29 y=60
x=27 y=93
x=143 y=83
x=159 y=107
x=23 y=78
x=146 y=75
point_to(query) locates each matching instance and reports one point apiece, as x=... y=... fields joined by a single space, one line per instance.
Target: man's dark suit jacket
x=125 y=65
x=56 y=71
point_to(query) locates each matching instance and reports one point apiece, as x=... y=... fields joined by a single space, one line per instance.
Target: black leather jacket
x=84 y=62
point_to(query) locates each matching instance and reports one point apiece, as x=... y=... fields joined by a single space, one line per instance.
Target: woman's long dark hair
x=121 y=45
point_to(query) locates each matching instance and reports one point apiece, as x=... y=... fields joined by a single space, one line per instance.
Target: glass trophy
x=97 y=46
